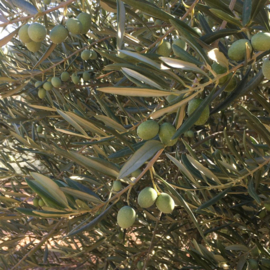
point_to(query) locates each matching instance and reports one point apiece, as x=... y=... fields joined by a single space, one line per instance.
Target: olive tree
x=135 y=134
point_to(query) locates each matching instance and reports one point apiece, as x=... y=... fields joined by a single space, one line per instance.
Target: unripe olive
x=41 y=93
x=37 y=32
x=39 y=129
x=266 y=69
x=85 y=55
x=93 y=55
x=219 y=69
x=85 y=20
x=165 y=203
x=261 y=41
x=35 y=202
x=164 y=48
x=136 y=173
x=86 y=76
x=56 y=82
x=33 y=46
x=237 y=51
x=148 y=129
x=47 y=86
x=189 y=134
x=117 y=185
x=65 y=76
x=180 y=43
x=193 y=105
x=147 y=197
x=140 y=265
x=38 y=84
x=41 y=202
x=75 y=78
x=74 y=26
x=126 y=217
x=58 y=34
x=23 y=34
x=231 y=85
x=170 y=98
x=166 y=132
x=158 y=22
x=198 y=31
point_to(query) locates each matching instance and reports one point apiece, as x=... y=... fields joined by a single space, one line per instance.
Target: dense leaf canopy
x=78 y=77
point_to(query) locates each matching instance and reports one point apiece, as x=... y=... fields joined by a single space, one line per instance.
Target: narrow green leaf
x=219 y=5
x=182 y=54
x=252 y=192
x=92 y=223
x=44 y=194
x=204 y=24
x=126 y=151
x=257 y=6
x=237 y=247
x=141 y=58
x=45 y=55
x=211 y=37
x=140 y=157
x=51 y=187
x=110 y=123
x=226 y=17
x=25 y=211
x=261 y=129
x=72 y=122
x=102 y=166
x=176 y=63
x=213 y=200
x=134 y=92
x=8 y=38
x=238 y=91
x=80 y=195
x=203 y=170
x=86 y=124
x=191 y=40
x=183 y=169
x=51 y=214
x=246 y=14
x=120 y=23
x=141 y=77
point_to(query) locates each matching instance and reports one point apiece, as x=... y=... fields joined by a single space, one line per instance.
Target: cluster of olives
x=38 y=202
x=56 y=82
x=150 y=129
x=165 y=48
x=147 y=197
x=33 y=34
x=259 y=42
